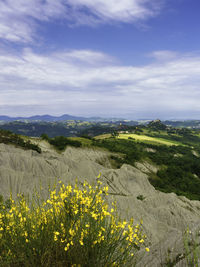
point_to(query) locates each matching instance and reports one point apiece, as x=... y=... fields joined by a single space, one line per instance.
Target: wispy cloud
x=114 y=10
x=71 y=79
x=164 y=55
x=19 y=19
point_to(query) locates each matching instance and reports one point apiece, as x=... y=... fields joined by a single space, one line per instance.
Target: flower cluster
x=74 y=226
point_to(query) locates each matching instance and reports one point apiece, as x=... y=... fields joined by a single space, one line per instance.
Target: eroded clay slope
x=165 y=216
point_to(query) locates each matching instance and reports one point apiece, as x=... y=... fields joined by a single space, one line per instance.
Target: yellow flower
x=84 y=207
x=56 y=233
x=67 y=247
x=105 y=188
x=124 y=233
x=71 y=232
x=94 y=215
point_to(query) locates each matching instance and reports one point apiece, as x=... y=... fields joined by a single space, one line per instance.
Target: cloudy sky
x=123 y=58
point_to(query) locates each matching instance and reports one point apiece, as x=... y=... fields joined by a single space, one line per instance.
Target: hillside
x=58 y=128
x=176 y=155
x=165 y=216
x=177 y=161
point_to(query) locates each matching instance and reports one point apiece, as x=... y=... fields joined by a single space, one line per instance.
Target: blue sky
x=123 y=58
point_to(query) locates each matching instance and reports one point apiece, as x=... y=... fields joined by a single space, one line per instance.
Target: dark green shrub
x=61 y=142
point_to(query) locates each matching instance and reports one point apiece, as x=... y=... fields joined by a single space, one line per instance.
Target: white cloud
x=124 y=11
x=19 y=19
x=163 y=55
x=85 y=57
x=72 y=79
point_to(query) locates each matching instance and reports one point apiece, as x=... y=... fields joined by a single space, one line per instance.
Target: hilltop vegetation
x=61 y=142
x=7 y=137
x=67 y=129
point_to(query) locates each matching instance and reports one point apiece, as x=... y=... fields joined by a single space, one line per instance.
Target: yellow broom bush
x=73 y=227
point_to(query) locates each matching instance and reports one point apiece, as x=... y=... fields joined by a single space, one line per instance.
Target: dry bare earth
x=165 y=216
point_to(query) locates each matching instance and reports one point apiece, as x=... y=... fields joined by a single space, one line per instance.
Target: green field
x=102 y=136
x=150 y=140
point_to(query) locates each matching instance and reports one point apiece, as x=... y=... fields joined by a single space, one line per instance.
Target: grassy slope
x=102 y=136
x=150 y=140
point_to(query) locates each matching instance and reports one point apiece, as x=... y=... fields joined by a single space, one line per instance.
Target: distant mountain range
x=49 y=118
x=66 y=117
